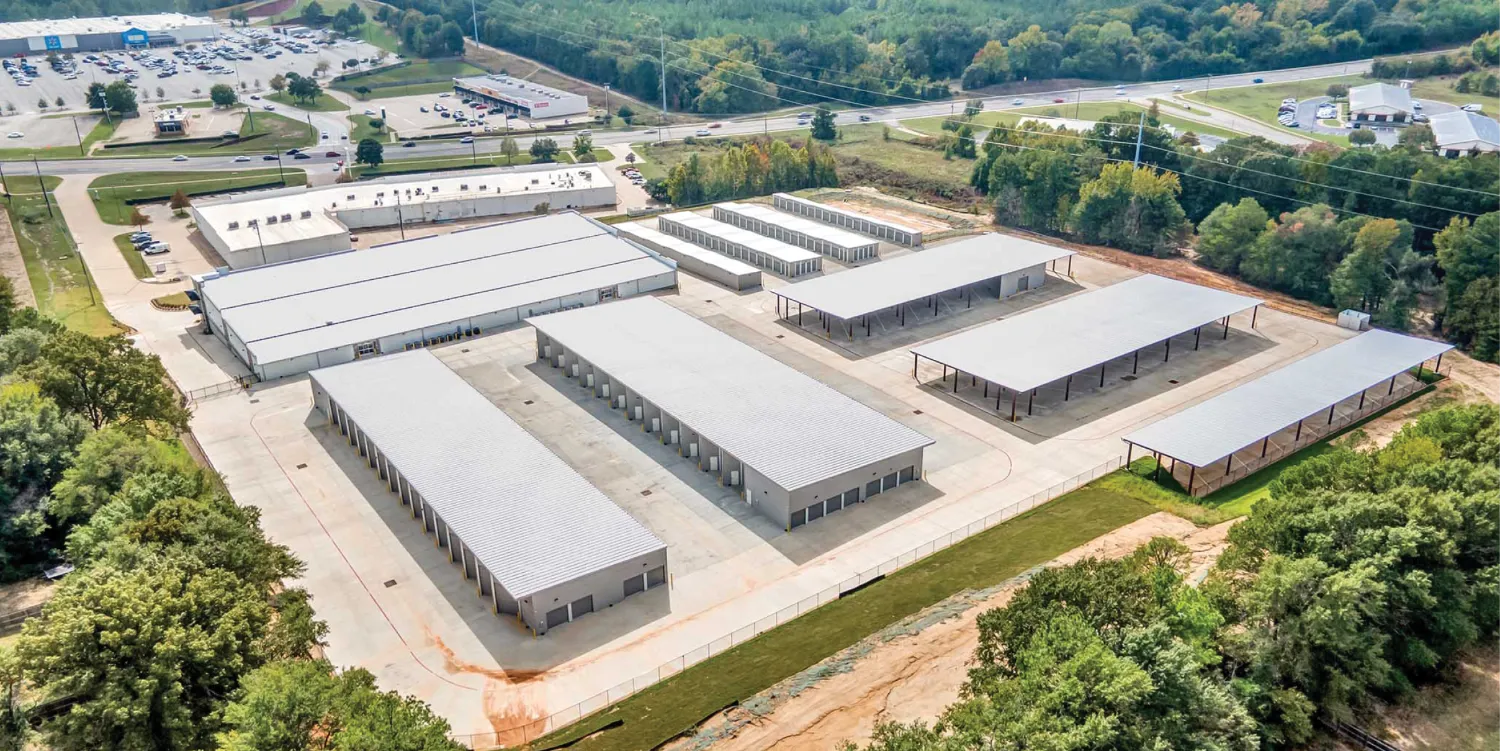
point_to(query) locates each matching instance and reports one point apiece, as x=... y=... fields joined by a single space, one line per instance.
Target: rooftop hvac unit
x=461 y=186
x=234 y=225
x=306 y=214
x=271 y=219
x=482 y=186
x=350 y=197
x=253 y=223
x=286 y=217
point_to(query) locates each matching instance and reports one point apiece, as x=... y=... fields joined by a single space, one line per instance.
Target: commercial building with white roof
x=290 y=318
x=537 y=539
x=105 y=33
x=1458 y=133
x=827 y=240
x=893 y=232
x=1285 y=408
x=994 y=264
x=796 y=449
x=522 y=98
x=1058 y=341
x=691 y=258
x=766 y=252
x=292 y=223
x=1379 y=103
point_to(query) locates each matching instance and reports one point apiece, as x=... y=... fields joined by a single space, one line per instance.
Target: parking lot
x=422 y=115
x=151 y=76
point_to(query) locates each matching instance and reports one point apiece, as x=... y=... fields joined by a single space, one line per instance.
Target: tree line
x=173 y=631
x=758 y=167
x=1364 y=575
x=720 y=57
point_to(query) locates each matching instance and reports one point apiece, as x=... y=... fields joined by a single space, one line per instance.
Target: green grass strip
x=133 y=257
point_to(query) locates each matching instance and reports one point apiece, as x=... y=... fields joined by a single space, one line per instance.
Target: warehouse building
x=795 y=449
x=1459 y=133
x=289 y=318
x=892 y=232
x=823 y=239
x=292 y=223
x=514 y=96
x=1221 y=440
x=1379 y=104
x=1058 y=342
x=537 y=539
x=991 y=264
x=693 y=259
x=20 y=38
x=755 y=249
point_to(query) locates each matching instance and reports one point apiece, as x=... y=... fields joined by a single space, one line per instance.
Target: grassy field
x=323 y=102
x=112 y=192
x=660 y=713
x=379 y=35
x=58 y=277
x=133 y=257
x=1440 y=89
x=362 y=130
x=277 y=133
x=1091 y=111
x=1260 y=102
x=101 y=132
x=392 y=82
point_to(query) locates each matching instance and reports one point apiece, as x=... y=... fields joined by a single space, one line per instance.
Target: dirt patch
x=12 y=265
x=1458 y=715
x=913 y=669
x=24 y=594
x=854 y=202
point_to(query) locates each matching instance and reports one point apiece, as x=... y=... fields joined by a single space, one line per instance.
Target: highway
x=336 y=125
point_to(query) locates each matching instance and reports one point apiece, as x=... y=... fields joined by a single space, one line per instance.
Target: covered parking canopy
x=1053 y=343
x=852 y=296
x=1211 y=432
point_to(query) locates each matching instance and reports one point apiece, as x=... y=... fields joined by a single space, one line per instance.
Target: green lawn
x=63 y=288
x=1440 y=89
x=674 y=706
x=392 y=82
x=1260 y=101
x=276 y=133
x=379 y=35
x=323 y=102
x=1090 y=111
x=133 y=257
x=429 y=164
x=111 y=193
x=362 y=129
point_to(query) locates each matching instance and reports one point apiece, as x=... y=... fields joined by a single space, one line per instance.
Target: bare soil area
x=1460 y=715
x=12 y=265
x=913 y=669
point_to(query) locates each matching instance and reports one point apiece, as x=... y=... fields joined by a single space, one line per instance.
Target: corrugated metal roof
x=645 y=231
x=730 y=233
x=828 y=233
x=790 y=428
x=853 y=293
x=1379 y=95
x=308 y=306
x=852 y=214
x=1463 y=127
x=147 y=22
x=1080 y=332
x=528 y=517
x=1209 y=431
x=518 y=89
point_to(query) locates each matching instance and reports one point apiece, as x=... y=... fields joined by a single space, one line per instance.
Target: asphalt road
x=336 y=125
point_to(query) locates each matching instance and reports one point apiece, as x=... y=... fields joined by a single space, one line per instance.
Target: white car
x=702 y=132
x=156 y=249
x=242 y=158
x=369 y=113
x=1473 y=108
x=1177 y=87
x=270 y=108
x=1016 y=102
x=325 y=135
x=1416 y=105
x=15 y=134
x=179 y=158
x=1289 y=100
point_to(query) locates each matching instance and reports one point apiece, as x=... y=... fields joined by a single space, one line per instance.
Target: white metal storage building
x=1257 y=414
x=797 y=449
x=999 y=265
x=538 y=540
x=1058 y=341
x=804 y=233
x=292 y=223
x=697 y=260
x=294 y=317
x=1458 y=133
x=759 y=250
x=889 y=231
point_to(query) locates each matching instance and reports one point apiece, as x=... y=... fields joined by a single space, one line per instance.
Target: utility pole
x=474 y=9
x=43 y=185
x=3 y=188
x=79 y=134
x=1140 y=134
x=607 y=117
x=663 y=36
x=1078 y=103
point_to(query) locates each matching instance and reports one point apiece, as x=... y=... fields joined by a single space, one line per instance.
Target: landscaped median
x=113 y=195
x=133 y=257
x=676 y=705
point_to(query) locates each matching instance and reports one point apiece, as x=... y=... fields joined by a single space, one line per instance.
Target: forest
x=1366 y=574
x=727 y=56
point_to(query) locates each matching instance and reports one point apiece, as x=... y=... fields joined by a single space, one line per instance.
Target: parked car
x=711 y=125
x=1472 y=108
x=864 y=118
x=1177 y=87
x=155 y=250
x=270 y=108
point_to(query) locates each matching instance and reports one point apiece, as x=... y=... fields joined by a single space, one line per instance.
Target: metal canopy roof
x=1209 y=431
x=866 y=289
x=788 y=427
x=528 y=517
x=1080 y=332
x=828 y=233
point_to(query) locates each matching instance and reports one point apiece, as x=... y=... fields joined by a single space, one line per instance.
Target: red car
x=1058 y=100
x=332 y=154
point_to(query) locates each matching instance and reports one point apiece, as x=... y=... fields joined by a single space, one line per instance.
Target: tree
x=107 y=380
x=1362 y=137
x=239 y=16
x=1417 y=136
x=543 y=150
x=322 y=66
x=120 y=97
x=104 y=462
x=509 y=148
x=1132 y=209
x=626 y=113
x=278 y=83
x=162 y=93
x=60 y=102
x=8 y=304
x=1033 y=55
x=1469 y=255
x=369 y=151
x=1337 y=91
x=822 y=125
x=138 y=218
x=179 y=201
x=222 y=95
x=1297 y=255
x=41 y=103
x=583 y=146
x=313 y=13
x=1225 y=236
x=362 y=91
x=304 y=89
x=963 y=142
x=94 y=96
x=991 y=65
x=39 y=440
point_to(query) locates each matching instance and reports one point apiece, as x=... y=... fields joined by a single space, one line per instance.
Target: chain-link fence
x=529 y=731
